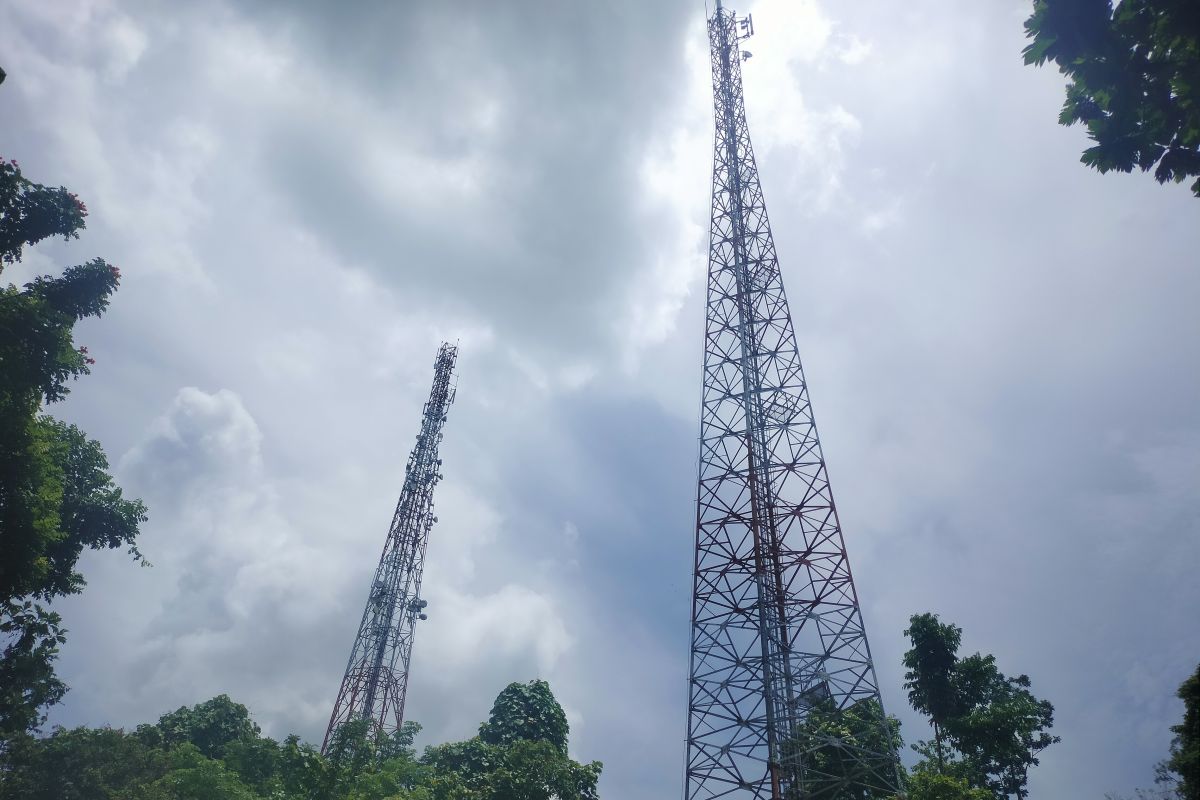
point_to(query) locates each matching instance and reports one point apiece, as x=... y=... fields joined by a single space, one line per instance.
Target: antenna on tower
x=783 y=699
x=375 y=684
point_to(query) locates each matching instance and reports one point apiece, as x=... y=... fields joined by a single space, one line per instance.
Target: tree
x=517 y=770
x=214 y=751
x=529 y=712
x=1134 y=76
x=192 y=776
x=520 y=754
x=1001 y=726
x=357 y=753
x=210 y=726
x=301 y=766
x=924 y=785
x=930 y=672
x=56 y=496
x=845 y=753
x=1182 y=768
x=78 y=764
x=27 y=680
x=993 y=725
x=256 y=762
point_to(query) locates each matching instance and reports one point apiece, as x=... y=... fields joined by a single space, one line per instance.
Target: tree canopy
x=846 y=753
x=926 y=785
x=526 y=711
x=56 y=495
x=1134 y=80
x=213 y=750
x=992 y=725
x=1182 y=769
x=930 y=669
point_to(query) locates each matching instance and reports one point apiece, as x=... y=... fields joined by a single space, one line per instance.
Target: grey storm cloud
x=305 y=198
x=500 y=173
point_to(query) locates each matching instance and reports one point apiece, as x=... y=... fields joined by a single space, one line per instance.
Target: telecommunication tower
x=376 y=680
x=783 y=699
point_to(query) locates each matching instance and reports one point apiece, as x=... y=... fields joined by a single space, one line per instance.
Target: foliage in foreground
x=849 y=753
x=1134 y=73
x=1178 y=776
x=1181 y=770
x=926 y=785
x=214 y=751
x=56 y=496
x=988 y=728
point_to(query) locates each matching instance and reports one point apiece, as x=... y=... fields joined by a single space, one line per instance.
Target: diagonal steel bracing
x=376 y=681
x=783 y=697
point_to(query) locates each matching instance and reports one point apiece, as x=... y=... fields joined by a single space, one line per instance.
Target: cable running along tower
x=783 y=700
x=376 y=680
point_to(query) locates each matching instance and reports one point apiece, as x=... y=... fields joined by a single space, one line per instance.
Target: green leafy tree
x=924 y=785
x=213 y=751
x=1002 y=727
x=845 y=753
x=537 y=770
x=363 y=766
x=929 y=678
x=1134 y=73
x=520 y=754
x=78 y=764
x=398 y=778
x=56 y=496
x=256 y=762
x=991 y=727
x=193 y=776
x=526 y=712
x=516 y=770
x=1182 y=768
x=210 y=726
x=301 y=768
x=27 y=681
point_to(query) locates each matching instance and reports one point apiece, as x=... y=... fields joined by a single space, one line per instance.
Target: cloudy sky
x=305 y=198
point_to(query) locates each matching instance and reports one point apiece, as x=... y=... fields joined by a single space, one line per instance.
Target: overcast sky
x=305 y=198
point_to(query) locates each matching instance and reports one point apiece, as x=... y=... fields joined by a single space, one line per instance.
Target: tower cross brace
x=783 y=698
x=375 y=684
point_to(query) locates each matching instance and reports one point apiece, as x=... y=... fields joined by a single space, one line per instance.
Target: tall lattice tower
x=783 y=700
x=376 y=680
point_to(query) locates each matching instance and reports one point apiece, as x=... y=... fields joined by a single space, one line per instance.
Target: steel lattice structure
x=783 y=699
x=376 y=680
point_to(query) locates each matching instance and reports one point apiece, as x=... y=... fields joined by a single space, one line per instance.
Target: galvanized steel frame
x=375 y=684
x=776 y=626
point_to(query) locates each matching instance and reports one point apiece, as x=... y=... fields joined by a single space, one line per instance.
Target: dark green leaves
x=992 y=725
x=517 y=770
x=1183 y=767
x=210 y=726
x=37 y=348
x=79 y=764
x=58 y=499
x=27 y=682
x=846 y=753
x=924 y=785
x=213 y=750
x=930 y=667
x=30 y=212
x=1134 y=75
x=529 y=712
x=56 y=496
